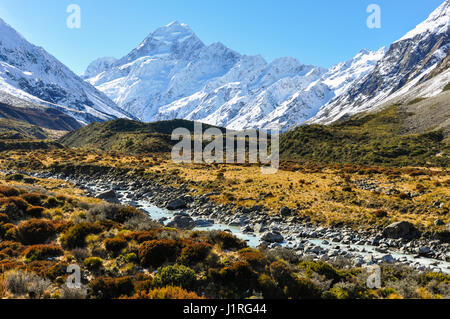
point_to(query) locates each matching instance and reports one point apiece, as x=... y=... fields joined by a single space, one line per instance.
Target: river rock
x=285 y=211
x=177 y=203
x=182 y=222
x=404 y=230
x=204 y=223
x=387 y=258
x=272 y=237
x=109 y=196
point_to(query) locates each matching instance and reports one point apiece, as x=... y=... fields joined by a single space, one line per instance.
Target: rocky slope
x=420 y=58
x=30 y=73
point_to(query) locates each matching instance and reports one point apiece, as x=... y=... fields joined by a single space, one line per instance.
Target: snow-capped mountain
x=173 y=74
x=421 y=56
x=30 y=73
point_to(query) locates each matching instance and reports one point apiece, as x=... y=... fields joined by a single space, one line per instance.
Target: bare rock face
x=404 y=230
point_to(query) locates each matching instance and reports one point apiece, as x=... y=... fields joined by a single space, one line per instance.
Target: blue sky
x=319 y=32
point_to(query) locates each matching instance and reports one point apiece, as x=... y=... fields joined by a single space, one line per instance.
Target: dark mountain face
x=46 y=118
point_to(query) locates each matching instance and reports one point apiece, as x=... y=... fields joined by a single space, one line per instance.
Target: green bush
x=323 y=269
x=33 y=199
x=176 y=275
x=131 y=258
x=9 y=191
x=35 y=211
x=42 y=252
x=226 y=240
x=14 y=177
x=109 y=288
x=194 y=253
x=36 y=231
x=156 y=252
x=115 y=245
x=93 y=263
x=75 y=236
x=239 y=277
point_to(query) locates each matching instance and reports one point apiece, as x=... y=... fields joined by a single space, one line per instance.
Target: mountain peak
x=174 y=38
x=438 y=22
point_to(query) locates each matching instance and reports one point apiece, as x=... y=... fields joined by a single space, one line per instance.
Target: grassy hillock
x=128 y=136
x=369 y=139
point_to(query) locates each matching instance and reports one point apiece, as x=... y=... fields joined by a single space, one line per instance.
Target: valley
x=89 y=179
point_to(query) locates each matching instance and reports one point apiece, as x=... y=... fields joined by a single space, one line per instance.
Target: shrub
x=9 y=191
x=346 y=290
x=167 y=293
x=142 y=236
x=117 y=213
x=11 y=248
x=176 y=275
x=194 y=253
x=323 y=269
x=14 y=177
x=239 y=276
x=32 y=199
x=75 y=236
x=109 y=288
x=93 y=263
x=3 y=218
x=156 y=252
x=302 y=288
x=35 y=231
x=226 y=240
x=20 y=283
x=35 y=211
x=115 y=245
x=42 y=252
x=269 y=287
x=281 y=273
x=52 y=202
x=380 y=213
x=131 y=258
x=8 y=232
x=18 y=202
x=254 y=257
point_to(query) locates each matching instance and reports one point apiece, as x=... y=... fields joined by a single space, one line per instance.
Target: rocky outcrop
x=403 y=230
x=182 y=221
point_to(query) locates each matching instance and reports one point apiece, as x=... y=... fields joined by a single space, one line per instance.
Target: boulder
x=387 y=258
x=182 y=222
x=204 y=223
x=109 y=196
x=439 y=222
x=403 y=230
x=177 y=203
x=272 y=237
x=285 y=211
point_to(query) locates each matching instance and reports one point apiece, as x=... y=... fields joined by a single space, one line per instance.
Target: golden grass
x=322 y=195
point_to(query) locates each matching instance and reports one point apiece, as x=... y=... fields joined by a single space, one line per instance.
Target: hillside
x=370 y=139
x=44 y=117
x=127 y=136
